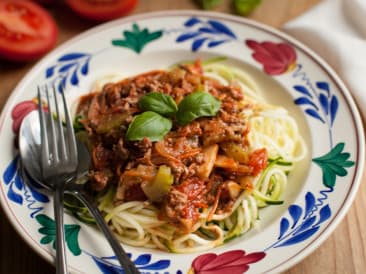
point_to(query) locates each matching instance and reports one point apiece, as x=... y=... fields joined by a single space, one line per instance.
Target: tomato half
x=45 y=2
x=27 y=31
x=102 y=10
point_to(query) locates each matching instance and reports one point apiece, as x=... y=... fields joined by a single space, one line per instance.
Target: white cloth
x=336 y=30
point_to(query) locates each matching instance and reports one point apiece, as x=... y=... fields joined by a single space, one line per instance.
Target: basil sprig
x=159 y=103
x=152 y=123
x=148 y=124
x=195 y=105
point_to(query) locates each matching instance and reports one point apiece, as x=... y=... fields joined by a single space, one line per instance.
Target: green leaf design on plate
x=334 y=163
x=137 y=39
x=48 y=229
x=71 y=235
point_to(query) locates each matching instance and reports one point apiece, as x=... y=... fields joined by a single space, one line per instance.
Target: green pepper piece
x=160 y=186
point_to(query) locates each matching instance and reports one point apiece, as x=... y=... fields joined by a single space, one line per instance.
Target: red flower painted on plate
x=21 y=110
x=231 y=262
x=275 y=58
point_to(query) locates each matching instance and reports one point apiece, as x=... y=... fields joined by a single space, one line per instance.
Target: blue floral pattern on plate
x=205 y=32
x=68 y=69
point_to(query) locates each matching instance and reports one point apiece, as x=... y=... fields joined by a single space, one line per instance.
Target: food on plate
x=101 y=10
x=27 y=31
x=184 y=158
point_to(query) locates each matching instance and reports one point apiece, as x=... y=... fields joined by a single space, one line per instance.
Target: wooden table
x=344 y=252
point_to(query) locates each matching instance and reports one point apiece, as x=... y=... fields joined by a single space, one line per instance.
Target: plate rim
x=326 y=68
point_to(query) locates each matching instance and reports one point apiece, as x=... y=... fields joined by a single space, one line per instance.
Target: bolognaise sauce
x=184 y=202
x=106 y=116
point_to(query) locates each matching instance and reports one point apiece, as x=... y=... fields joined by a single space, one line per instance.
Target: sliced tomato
x=27 y=31
x=102 y=10
x=45 y=2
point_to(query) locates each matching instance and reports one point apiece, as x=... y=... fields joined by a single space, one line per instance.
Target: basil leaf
x=148 y=124
x=159 y=103
x=195 y=105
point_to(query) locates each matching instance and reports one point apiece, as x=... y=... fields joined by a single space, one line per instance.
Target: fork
x=59 y=162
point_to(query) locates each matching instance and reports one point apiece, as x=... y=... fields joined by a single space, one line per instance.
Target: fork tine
x=70 y=130
x=44 y=138
x=55 y=155
x=59 y=126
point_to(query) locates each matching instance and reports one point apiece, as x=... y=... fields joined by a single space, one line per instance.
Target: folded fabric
x=336 y=30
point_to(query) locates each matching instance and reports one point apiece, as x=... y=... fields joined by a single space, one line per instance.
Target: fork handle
x=61 y=266
x=127 y=265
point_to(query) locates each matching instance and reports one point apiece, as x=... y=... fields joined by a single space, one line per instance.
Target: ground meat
x=192 y=129
x=144 y=145
x=99 y=179
x=101 y=156
x=119 y=150
x=134 y=193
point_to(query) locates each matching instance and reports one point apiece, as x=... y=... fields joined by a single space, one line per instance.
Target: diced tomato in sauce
x=194 y=188
x=258 y=160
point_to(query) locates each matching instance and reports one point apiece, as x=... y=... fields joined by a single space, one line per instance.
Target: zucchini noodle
x=138 y=223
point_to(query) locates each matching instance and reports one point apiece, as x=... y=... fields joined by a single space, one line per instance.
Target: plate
x=320 y=191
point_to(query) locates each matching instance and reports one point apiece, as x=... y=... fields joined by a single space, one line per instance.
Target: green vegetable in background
x=148 y=124
x=209 y=4
x=159 y=103
x=241 y=7
x=245 y=7
x=195 y=105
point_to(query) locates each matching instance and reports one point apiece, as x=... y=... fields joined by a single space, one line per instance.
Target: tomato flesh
x=27 y=31
x=258 y=160
x=194 y=188
x=101 y=10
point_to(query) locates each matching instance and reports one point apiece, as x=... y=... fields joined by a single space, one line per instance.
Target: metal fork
x=59 y=161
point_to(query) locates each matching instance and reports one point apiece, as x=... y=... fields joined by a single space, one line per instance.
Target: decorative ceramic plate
x=321 y=189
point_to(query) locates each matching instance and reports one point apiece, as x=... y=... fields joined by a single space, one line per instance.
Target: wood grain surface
x=344 y=252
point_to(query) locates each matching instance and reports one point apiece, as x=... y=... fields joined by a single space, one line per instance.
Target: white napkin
x=336 y=30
